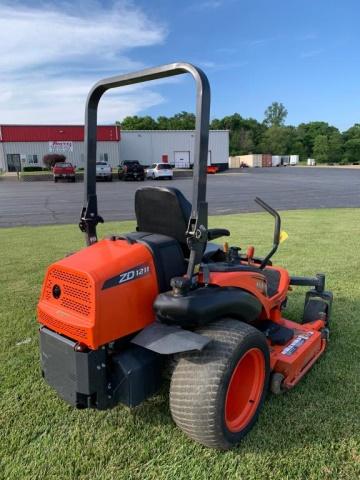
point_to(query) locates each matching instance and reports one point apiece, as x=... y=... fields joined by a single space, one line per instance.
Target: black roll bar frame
x=198 y=224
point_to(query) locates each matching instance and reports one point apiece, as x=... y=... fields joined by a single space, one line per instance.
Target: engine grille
x=76 y=291
x=58 y=326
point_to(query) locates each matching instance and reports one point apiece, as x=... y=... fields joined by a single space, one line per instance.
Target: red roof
x=55 y=133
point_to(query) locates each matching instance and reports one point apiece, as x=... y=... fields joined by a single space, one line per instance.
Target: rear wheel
x=216 y=395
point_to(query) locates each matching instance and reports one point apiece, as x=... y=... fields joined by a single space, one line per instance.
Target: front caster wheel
x=216 y=395
x=276 y=383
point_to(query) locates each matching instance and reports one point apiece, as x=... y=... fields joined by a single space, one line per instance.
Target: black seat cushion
x=272 y=276
x=163 y=210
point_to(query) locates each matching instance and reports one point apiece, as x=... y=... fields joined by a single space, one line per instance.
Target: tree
x=321 y=149
x=275 y=115
x=245 y=133
x=182 y=121
x=138 y=123
x=352 y=144
x=307 y=132
x=336 y=147
x=352 y=150
x=278 y=140
x=353 y=132
x=52 y=158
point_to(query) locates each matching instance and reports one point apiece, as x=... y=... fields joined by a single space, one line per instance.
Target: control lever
x=277 y=228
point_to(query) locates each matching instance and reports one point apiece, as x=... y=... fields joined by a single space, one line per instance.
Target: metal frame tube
x=89 y=215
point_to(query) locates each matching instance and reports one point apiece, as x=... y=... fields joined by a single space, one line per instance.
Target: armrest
x=214 y=233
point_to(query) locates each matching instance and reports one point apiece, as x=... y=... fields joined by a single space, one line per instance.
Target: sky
x=303 y=53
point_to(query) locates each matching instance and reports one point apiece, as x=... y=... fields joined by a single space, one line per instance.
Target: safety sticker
x=295 y=344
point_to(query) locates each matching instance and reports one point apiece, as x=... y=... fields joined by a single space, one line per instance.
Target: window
x=31 y=159
x=104 y=157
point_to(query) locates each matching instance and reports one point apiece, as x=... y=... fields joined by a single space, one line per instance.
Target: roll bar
x=197 y=228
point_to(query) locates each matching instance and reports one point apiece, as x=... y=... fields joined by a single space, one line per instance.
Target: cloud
x=60 y=50
x=214 y=66
x=311 y=53
x=226 y=50
x=309 y=36
x=206 y=5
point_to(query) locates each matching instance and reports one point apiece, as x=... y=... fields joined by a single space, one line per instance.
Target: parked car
x=104 y=171
x=64 y=170
x=131 y=170
x=212 y=169
x=159 y=170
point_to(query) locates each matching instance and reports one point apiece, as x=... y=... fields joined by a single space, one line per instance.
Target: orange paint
x=88 y=313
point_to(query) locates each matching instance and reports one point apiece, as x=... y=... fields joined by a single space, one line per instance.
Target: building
x=173 y=146
x=26 y=145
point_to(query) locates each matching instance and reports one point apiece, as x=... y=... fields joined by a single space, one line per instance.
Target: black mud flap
x=169 y=339
x=79 y=378
x=98 y=378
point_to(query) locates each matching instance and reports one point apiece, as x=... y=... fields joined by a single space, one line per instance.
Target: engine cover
x=101 y=293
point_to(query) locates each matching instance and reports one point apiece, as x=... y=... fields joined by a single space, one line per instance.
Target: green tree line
x=317 y=140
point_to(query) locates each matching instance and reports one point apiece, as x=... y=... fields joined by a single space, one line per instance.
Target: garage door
x=182 y=159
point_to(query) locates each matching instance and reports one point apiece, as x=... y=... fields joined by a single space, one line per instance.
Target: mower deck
x=294 y=358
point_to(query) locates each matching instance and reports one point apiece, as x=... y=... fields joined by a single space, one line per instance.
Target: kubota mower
x=114 y=314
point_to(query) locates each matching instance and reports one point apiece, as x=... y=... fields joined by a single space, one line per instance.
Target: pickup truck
x=103 y=171
x=131 y=170
x=64 y=170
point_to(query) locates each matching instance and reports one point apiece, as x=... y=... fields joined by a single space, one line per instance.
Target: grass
x=309 y=433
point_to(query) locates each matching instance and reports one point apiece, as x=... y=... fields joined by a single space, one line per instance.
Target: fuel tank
x=101 y=293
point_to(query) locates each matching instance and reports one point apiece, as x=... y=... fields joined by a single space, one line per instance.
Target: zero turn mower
x=115 y=313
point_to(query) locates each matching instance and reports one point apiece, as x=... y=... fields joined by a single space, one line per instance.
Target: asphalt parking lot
x=39 y=203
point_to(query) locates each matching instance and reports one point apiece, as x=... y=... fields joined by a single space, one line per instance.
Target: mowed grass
x=311 y=432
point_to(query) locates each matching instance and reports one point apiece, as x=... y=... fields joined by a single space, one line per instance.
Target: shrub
x=32 y=169
x=52 y=158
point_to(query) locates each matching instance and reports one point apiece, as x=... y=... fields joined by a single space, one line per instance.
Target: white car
x=159 y=170
x=104 y=171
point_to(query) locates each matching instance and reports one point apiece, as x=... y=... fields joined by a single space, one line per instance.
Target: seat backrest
x=163 y=210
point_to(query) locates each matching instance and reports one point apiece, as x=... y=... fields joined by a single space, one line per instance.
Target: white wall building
x=173 y=146
x=26 y=145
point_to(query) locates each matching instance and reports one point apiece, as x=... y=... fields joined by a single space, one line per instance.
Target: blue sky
x=304 y=53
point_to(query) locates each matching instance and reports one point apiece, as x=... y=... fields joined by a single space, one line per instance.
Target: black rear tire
x=200 y=383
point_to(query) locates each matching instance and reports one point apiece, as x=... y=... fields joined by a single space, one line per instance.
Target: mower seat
x=163 y=210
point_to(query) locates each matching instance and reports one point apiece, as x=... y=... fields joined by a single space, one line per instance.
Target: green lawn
x=313 y=432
